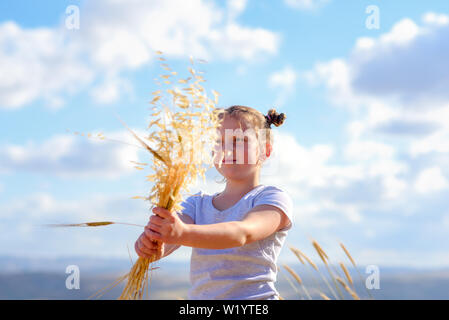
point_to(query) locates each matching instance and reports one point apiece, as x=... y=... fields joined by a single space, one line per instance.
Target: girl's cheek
x=251 y=154
x=217 y=156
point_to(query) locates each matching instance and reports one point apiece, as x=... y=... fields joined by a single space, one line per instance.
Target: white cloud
x=438 y=139
x=336 y=75
x=176 y=27
x=368 y=150
x=306 y=4
x=73 y=156
x=324 y=190
x=405 y=67
x=402 y=33
x=396 y=149
x=393 y=187
x=395 y=85
x=392 y=66
x=235 y=8
x=51 y=63
x=237 y=42
x=430 y=180
x=111 y=89
x=434 y=18
x=38 y=63
x=286 y=78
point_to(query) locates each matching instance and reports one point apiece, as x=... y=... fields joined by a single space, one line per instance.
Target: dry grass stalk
x=355 y=266
x=327 y=284
x=324 y=258
x=346 y=287
x=298 y=279
x=347 y=254
x=348 y=276
x=299 y=254
x=320 y=252
x=322 y=295
x=312 y=264
x=293 y=273
x=290 y=283
x=91 y=224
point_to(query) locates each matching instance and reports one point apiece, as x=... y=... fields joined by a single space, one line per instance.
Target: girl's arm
x=261 y=222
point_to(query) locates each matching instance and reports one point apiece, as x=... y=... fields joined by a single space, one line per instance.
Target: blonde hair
x=254 y=119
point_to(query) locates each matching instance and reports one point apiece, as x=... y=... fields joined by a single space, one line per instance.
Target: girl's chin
x=233 y=164
x=236 y=167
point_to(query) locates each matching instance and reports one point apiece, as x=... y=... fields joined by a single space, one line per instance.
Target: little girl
x=236 y=235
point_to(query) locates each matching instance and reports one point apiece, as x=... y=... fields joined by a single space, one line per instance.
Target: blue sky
x=364 y=150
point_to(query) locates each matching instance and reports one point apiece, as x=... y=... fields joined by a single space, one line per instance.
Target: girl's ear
x=269 y=149
x=265 y=155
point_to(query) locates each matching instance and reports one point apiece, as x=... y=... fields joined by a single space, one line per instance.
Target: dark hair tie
x=268 y=117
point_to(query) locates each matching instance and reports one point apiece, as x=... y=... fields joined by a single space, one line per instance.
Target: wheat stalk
x=91 y=224
x=348 y=276
x=298 y=279
x=322 y=295
x=355 y=266
x=291 y=284
x=324 y=258
x=346 y=287
x=300 y=255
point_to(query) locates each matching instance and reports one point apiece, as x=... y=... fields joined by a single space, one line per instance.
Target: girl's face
x=236 y=150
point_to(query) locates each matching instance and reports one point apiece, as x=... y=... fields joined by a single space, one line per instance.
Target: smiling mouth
x=233 y=161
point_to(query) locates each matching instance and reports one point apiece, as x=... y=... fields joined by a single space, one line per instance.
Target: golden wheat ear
x=90 y=224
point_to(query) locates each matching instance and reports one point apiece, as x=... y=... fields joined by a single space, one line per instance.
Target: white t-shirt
x=246 y=272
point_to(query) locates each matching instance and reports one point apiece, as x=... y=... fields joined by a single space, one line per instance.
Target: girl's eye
x=234 y=141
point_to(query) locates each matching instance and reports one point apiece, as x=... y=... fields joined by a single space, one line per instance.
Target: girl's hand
x=147 y=248
x=166 y=227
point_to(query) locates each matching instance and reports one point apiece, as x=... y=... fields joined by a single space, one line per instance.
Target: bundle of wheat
x=185 y=122
x=186 y=132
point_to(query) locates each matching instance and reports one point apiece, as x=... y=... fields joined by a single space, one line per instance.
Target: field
x=40 y=279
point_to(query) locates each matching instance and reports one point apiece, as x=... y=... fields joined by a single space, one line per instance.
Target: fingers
x=152 y=234
x=164 y=213
x=143 y=251
x=149 y=243
x=156 y=220
x=154 y=227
